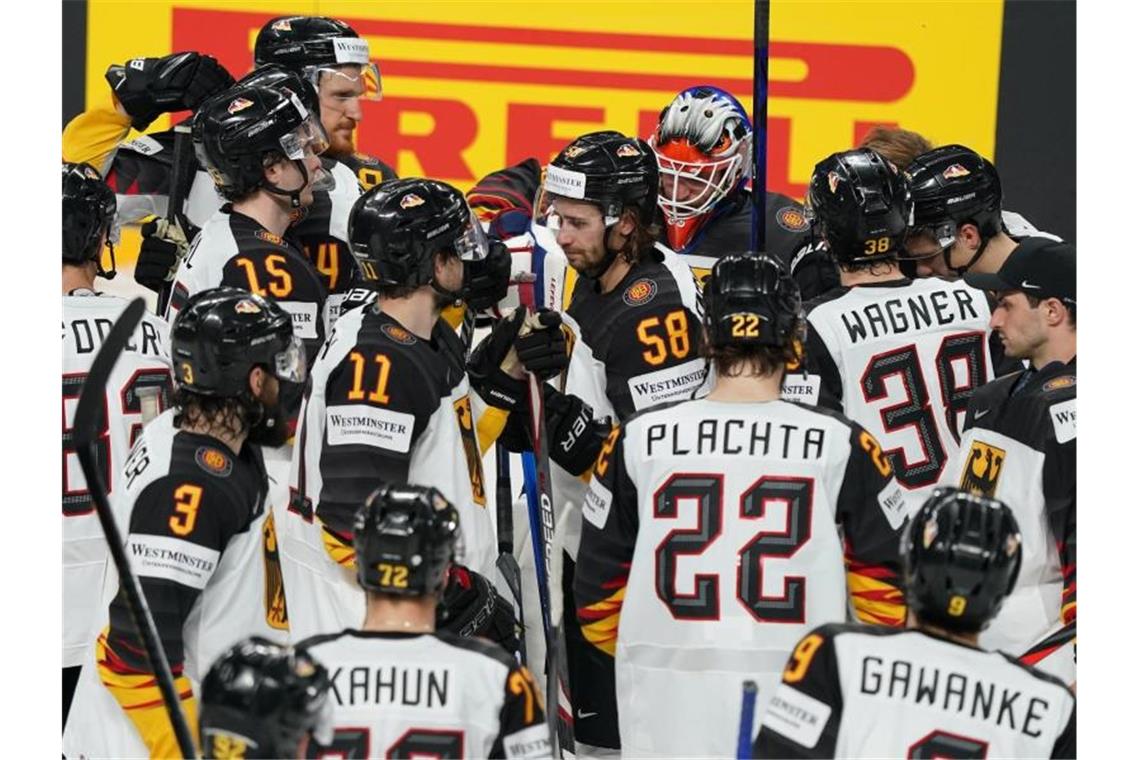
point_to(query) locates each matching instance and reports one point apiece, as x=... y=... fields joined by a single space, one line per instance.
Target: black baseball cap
x=1039 y=267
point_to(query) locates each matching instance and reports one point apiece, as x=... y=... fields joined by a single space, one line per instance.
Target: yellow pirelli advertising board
x=472 y=86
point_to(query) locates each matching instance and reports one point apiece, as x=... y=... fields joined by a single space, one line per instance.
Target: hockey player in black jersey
x=400 y=687
x=263 y=700
x=899 y=356
x=717 y=531
x=261 y=147
x=1019 y=444
x=389 y=398
x=930 y=691
x=959 y=225
x=196 y=523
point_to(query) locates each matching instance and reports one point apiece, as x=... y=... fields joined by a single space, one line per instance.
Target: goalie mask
x=703 y=144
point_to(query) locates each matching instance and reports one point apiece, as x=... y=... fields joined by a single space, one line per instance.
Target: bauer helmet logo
x=246 y=306
x=832 y=181
x=627 y=151
x=983 y=467
x=284 y=25
x=239 y=104
x=954 y=171
x=411 y=200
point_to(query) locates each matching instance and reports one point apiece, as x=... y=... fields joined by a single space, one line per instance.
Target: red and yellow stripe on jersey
x=875 y=594
x=599 y=621
x=139 y=696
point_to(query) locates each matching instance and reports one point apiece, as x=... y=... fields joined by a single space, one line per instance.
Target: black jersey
x=234 y=249
x=1020 y=446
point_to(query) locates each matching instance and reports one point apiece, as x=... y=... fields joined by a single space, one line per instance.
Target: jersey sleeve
x=178 y=530
x=523 y=732
x=377 y=405
x=93 y=135
x=1060 y=487
x=1066 y=744
x=803 y=716
x=872 y=512
x=609 y=536
x=819 y=362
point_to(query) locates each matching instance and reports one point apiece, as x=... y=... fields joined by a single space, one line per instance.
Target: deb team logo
x=640 y=292
x=983 y=468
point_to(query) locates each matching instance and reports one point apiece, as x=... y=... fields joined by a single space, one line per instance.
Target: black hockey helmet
x=260 y=699
x=608 y=169
x=397 y=227
x=953 y=184
x=860 y=204
x=962 y=554
x=223 y=333
x=751 y=299
x=312 y=44
x=236 y=131
x=88 y=212
x=276 y=76
x=405 y=537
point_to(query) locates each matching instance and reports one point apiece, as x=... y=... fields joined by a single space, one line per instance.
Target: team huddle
x=838 y=475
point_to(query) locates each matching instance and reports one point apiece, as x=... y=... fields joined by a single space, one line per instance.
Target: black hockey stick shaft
x=505 y=525
x=760 y=33
x=85 y=433
x=182 y=169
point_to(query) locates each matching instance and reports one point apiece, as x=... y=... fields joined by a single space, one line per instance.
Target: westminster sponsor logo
x=172 y=559
x=366 y=425
x=672 y=384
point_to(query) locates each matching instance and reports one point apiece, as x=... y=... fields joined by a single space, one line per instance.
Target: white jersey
x=901 y=358
x=384 y=406
x=428 y=695
x=872 y=693
x=714 y=536
x=139 y=387
x=198 y=529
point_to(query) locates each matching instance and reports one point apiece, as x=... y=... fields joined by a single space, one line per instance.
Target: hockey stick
x=760 y=31
x=505 y=524
x=1050 y=644
x=182 y=170
x=88 y=421
x=747 y=714
x=540 y=506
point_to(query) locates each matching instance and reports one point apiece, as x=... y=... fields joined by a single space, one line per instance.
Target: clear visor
x=289 y=365
x=308 y=136
x=918 y=240
x=691 y=188
x=363 y=81
x=472 y=245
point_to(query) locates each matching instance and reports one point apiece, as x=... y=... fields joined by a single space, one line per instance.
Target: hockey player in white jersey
x=389 y=399
x=196 y=523
x=263 y=700
x=401 y=688
x=929 y=691
x=899 y=356
x=959 y=225
x=1020 y=445
x=139 y=388
x=717 y=531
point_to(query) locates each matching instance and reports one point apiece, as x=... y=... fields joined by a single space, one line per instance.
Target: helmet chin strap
x=106 y=274
x=599 y=270
x=960 y=271
x=294 y=196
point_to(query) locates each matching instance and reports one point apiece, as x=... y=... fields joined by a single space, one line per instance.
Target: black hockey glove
x=814 y=271
x=542 y=350
x=163 y=246
x=575 y=437
x=148 y=87
x=485 y=282
x=472 y=607
x=485 y=367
